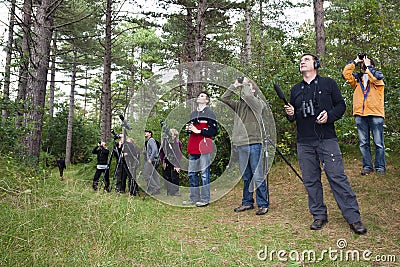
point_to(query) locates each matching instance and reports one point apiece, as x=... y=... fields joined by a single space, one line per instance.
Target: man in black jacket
x=102 y=166
x=315 y=104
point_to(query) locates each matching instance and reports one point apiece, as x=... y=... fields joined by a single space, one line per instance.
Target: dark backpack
x=158 y=145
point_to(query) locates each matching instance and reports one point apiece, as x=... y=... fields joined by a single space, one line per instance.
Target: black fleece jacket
x=102 y=155
x=325 y=95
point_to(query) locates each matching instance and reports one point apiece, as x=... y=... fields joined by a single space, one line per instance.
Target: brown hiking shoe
x=243 y=208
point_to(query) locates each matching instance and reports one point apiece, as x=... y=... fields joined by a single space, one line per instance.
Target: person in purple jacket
x=170 y=156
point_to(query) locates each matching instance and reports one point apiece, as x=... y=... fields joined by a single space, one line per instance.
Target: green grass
x=55 y=222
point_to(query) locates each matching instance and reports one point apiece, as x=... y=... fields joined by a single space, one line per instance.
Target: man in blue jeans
x=202 y=126
x=247 y=138
x=369 y=110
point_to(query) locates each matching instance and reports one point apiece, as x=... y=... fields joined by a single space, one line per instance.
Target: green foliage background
x=140 y=50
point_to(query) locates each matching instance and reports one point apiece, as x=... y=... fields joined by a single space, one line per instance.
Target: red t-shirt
x=198 y=143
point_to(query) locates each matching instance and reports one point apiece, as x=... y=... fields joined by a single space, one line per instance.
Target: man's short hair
x=317 y=62
x=149 y=131
x=207 y=94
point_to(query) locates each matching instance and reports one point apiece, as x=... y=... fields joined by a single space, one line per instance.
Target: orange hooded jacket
x=373 y=104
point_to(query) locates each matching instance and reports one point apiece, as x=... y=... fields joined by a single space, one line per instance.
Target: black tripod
x=120 y=154
x=126 y=160
x=102 y=180
x=131 y=163
x=284 y=158
x=124 y=165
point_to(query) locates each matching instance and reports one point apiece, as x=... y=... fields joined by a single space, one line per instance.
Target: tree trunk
x=43 y=28
x=262 y=44
x=53 y=75
x=247 y=46
x=7 y=72
x=188 y=53
x=68 y=144
x=200 y=27
x=319 y=27
x=131 y=89
x=105 y=123
x=199 y=40
x=189 y=50
x=24 y=64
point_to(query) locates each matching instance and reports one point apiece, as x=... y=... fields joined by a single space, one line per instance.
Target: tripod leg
x=288 y=163
x=146 y=173
x=132 y=186
x=285 y=159
x=118 y=175
x=266 y=172
x=134 y=181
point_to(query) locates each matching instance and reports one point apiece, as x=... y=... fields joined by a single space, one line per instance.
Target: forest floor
x=64 y=223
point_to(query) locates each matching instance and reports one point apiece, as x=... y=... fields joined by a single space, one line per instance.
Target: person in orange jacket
x=368 y=109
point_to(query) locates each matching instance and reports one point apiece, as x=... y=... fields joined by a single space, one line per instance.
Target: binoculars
x=361 y=56
x=307 y=108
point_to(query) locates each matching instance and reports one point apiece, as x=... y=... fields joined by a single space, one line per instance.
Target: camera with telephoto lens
x=361 y=56
x=307 y=108
x=115 y=136
x=165 y=129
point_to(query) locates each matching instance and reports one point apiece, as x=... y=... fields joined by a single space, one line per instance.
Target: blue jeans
x=199 y=163
x=374 y=125
x=251 y=168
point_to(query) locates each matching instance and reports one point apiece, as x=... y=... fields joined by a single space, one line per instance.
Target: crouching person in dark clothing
x=102 y=166
x=61 y=166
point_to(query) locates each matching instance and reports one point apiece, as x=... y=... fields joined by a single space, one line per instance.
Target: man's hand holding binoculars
x=362 y=57
x=101 y=144
x=240 y=81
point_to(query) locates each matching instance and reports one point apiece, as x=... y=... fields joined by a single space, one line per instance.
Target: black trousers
x=327 y=152
x=121 y=174
x=96 y=178
x=61 y=169
x=171 y=177
x=132 y=184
